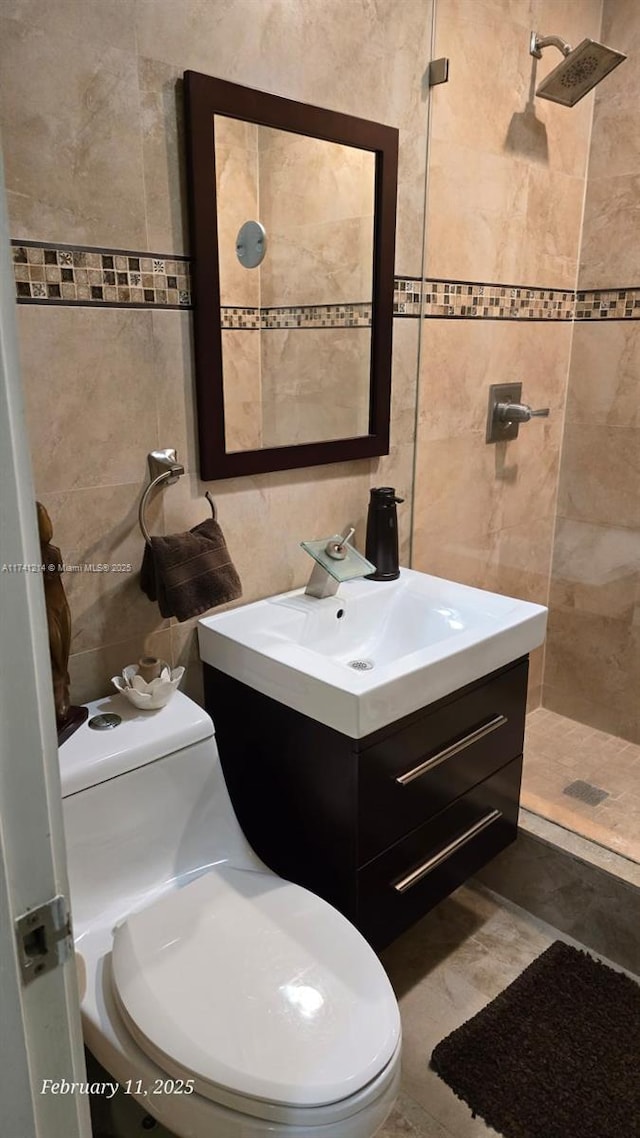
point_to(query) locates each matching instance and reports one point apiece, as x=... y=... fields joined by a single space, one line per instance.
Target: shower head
x=580 y=70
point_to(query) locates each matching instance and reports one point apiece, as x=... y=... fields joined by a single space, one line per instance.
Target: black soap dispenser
x=382 y=534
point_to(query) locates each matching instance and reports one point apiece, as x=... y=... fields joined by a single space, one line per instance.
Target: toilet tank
x=145 y=808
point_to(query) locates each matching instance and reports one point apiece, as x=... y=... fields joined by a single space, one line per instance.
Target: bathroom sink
x=373 y=652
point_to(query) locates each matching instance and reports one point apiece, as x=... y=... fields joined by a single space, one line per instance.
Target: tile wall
x=91 y=114
x=593 y=648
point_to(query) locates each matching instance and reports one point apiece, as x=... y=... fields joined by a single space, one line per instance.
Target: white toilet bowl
x=229 y=1003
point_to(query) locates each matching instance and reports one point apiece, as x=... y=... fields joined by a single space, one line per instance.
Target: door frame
x=41 y=1035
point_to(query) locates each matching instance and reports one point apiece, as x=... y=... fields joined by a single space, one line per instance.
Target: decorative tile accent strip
x=247 y=318
x=608 y=304
x=318 y=316
x=298 y=316
x=67 y=274
x=70 y=274
x=471 y=300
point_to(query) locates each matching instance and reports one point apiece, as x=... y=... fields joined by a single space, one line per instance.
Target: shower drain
x=361 y=665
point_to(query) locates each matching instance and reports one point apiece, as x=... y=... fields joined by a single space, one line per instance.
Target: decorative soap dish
x=148 y=696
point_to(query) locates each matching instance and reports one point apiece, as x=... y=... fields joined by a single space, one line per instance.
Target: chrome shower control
x=506 y=412
x=518 y=412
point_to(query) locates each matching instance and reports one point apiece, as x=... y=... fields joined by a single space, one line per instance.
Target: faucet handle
x=518 y=412
x=336 y=545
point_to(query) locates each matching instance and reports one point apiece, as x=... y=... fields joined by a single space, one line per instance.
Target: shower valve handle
x=518 y=412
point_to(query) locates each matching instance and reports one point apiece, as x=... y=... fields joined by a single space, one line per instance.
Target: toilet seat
x=259 y=991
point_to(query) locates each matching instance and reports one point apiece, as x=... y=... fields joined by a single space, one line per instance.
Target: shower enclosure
x=532 y=275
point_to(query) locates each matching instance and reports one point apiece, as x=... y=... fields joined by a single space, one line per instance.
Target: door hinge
x=44 y=938
x=438 y=71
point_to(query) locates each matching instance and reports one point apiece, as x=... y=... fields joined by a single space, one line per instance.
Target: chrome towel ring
x=163 y=467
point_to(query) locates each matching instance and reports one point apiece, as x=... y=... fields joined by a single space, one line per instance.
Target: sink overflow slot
x=361 y=665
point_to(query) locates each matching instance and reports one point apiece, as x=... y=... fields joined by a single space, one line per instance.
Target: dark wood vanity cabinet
x=386 y=826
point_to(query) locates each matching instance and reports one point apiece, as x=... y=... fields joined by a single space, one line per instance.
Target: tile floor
x=560 y=752
x=443 y=970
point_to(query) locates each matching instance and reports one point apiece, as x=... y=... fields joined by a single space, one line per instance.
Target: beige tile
x=91 y=671
x=236 y=202
x=456 y=490
x=164 y=157
x=184 y=651
x=534 y=697
x=600 y=475
x=175 y=384
x=408 y=1120
x=566 y=700
x=612 y=212
x=86 y=112
x=596 y=569
x=332 y=262
x=308 y=181
x=604 y=382
x=621 y=29
x=314 y=384
x=81 y=21
x=412 y=158
x=587 y=657
x=90 y=399
x=550 y=240
x=404 y=373
x=96 y=528
x=268 y=48
x=522 y=560
x=242 y=387
x=458 y=556
x=474 y=236
x=615 y=148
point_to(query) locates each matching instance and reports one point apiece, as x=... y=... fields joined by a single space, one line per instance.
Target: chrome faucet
x=335 y=561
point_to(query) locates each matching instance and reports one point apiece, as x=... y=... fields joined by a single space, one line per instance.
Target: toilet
x=228 y=1002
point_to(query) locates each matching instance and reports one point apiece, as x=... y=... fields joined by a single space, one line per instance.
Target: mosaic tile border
x=476 y=300
x=608 y=304
x=69 y=274
x=48 y=273
x=357 y=315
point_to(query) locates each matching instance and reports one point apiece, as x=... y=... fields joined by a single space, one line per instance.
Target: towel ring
x=163 y=467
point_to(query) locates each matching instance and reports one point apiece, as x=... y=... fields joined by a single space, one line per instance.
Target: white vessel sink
x=374 y=652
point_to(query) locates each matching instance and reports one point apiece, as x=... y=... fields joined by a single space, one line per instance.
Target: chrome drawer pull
x=416 y=875
x=461 y=745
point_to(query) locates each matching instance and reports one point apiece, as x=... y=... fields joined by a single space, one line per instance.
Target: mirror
x=292 y=216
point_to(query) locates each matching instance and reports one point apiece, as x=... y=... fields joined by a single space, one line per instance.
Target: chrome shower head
x=580 y=70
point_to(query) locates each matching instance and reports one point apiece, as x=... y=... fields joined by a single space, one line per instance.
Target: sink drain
x=361 y=665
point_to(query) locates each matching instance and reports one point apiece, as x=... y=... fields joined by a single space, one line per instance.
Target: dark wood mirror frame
x=206 y=97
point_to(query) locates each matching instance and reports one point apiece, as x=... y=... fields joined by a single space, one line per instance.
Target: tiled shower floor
x=583 y=779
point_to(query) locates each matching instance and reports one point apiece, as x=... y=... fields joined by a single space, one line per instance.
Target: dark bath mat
x=556 y=1055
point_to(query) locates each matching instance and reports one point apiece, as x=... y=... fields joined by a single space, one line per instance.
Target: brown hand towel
x=188 y=573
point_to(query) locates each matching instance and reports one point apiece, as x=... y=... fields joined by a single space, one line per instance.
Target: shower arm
x=538 y=43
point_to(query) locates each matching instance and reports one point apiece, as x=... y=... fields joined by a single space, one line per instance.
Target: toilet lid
x=245 y=982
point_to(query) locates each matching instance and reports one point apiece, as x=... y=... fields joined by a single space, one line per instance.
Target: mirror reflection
x=296 y=328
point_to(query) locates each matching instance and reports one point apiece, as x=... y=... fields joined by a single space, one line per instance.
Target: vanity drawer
x=402 y=884
x=416 y=772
